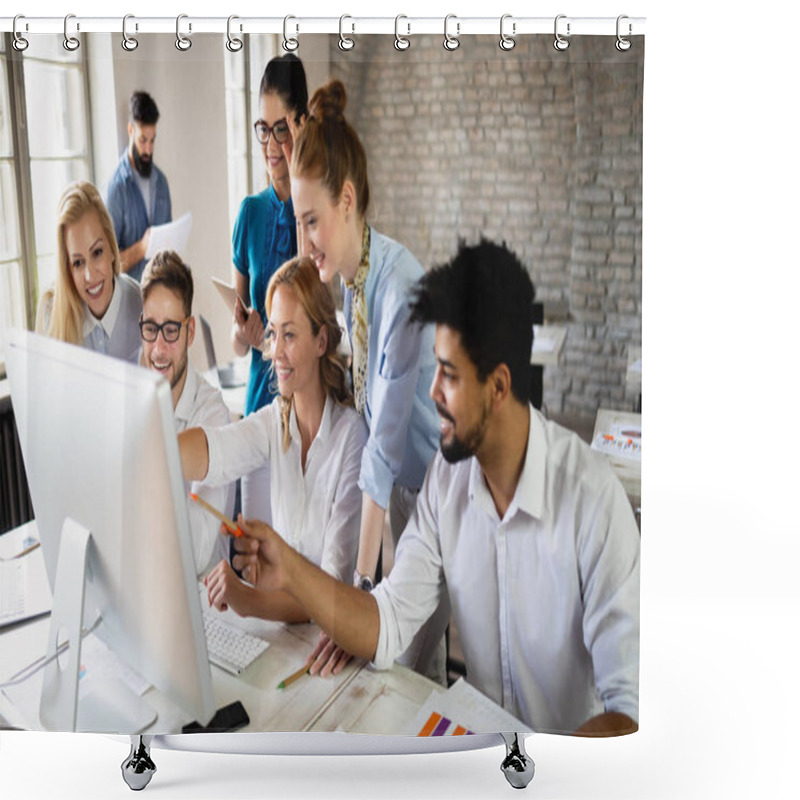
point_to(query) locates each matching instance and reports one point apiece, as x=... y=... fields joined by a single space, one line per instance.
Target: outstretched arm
x=348 y=615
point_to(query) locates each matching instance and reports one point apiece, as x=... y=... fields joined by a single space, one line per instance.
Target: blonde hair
x=328 y=148
x=66 y=314
x=300 y=275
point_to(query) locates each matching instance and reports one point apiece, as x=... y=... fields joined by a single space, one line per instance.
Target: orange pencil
x=226 y=521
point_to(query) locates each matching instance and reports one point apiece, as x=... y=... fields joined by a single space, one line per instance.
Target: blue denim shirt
x=126 y=206
x=402 y=420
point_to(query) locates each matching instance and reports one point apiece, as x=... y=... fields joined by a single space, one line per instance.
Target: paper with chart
x=621 y=440
x=461 y=711
x=170 y=236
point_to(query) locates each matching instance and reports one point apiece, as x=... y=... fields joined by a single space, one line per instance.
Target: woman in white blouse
x=92 y=303
x=312 y=436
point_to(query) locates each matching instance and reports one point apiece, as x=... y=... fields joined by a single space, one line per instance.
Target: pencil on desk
x=226 y=521
x=295 y=676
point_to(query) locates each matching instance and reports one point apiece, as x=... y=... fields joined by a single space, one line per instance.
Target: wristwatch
x=363 y=581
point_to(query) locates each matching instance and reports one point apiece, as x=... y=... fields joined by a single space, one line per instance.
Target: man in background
x=138 y=193
x=167 y=330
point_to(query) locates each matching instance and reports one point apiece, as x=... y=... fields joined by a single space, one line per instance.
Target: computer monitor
x=98 y=439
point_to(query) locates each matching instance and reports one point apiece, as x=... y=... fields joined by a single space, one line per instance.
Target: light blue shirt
x=402 y=420
x=127 y=207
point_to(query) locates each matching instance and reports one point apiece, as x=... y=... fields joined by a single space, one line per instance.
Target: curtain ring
x=507 y=42
x=623 y=44
x=561 y=43
x=290 y=45
x=400 y=42
x=182 y=42
x=344 y=42
x=20 y=42
x=451 y=42
x=129 y=43
x=234 y=43
x=71 y=43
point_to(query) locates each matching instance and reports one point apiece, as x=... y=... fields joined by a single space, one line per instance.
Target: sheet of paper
x=621 y=440
x=171 y=236
x=460 y=711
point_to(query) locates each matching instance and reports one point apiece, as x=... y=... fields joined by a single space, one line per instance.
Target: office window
x=243 y=71
x=43 y=147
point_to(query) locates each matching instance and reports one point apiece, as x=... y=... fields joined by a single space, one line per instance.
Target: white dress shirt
x=318 y=513
x=546 y=600
x=202 y=404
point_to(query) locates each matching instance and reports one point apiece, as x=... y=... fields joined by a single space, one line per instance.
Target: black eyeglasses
x=170 y=329
x=280 y=130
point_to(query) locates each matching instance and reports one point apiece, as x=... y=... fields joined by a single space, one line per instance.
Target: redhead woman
x=311 y=436
x=393 y=361
x=92 y=303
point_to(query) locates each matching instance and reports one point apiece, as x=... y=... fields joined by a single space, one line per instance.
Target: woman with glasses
x=311 y=435
x=393 y=360
x=91 y=303
x=264 y=237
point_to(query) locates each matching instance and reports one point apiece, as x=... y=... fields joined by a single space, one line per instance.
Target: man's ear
x=130 y=130
x=190 y=332
x=500 y=383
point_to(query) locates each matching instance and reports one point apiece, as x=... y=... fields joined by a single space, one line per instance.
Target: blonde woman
x=91 y=304
x=311 y=436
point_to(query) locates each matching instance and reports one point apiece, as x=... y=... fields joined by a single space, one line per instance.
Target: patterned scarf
x=358 y=324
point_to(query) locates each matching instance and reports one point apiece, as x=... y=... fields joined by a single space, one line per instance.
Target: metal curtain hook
x=344 y=42
x=400 y=42
x=623 y=44
x=561 y=43
x=234 y=43
x=20 y=42
x=290 y=44
x=181 y=41
x=71 y=43
x=129 y=43
x=507 y=42
x=451 y=42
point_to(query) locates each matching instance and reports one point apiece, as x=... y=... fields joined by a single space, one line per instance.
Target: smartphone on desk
x=228 y=718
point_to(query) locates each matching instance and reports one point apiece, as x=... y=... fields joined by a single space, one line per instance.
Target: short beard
x=143 y=166
x=460 y=449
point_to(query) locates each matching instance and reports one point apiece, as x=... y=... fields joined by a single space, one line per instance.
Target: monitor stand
x=111 y=707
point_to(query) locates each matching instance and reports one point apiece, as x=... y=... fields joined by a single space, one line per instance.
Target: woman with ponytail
x=311 y=436
x=393 y=360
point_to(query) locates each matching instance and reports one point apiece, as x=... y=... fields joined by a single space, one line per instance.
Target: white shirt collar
x=324 y=425
x=185 y=404
x=109 y=319
x=529 y=494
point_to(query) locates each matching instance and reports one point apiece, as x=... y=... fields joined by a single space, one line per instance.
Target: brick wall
x=536 y=147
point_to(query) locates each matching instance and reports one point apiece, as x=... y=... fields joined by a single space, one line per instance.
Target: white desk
x=359 y=700
x=625 y=460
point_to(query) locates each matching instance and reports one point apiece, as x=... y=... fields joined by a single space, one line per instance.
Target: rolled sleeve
x=415 y=586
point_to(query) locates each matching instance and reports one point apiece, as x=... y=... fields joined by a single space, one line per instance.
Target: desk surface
x=360 y=699
x=628 y=469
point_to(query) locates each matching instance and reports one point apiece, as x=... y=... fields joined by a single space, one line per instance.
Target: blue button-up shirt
x=402 y=420
x=127 y=207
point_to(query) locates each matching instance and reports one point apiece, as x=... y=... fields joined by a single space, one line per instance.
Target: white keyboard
x=230 y=647
x=12 y=590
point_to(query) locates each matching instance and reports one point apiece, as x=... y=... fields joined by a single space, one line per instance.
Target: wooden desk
x=628 y=469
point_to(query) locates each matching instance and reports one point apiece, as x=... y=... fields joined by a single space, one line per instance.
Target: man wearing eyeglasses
x=138 y=193
x=167 y=331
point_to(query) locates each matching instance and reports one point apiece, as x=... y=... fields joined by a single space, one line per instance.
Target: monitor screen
x=100 y=448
